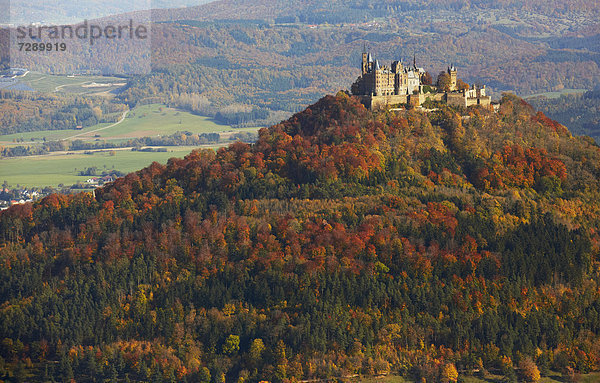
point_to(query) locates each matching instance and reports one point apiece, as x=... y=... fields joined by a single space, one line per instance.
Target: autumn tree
x=443 y=81
x=449 y=373
x=461 y=85
x=426 y=79
x=204 y=375
x=256 y=349
x=232 y=345
x=529 y=370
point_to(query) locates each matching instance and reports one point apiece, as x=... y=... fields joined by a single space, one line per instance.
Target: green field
x=50 y=135
x=155 y=119
x=556 y=94
x=554 y=377
x=77 y=84
x=52 y=170
x=142 y=121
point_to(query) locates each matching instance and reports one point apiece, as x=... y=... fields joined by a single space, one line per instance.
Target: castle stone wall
x=461 y=99
x=378 y=102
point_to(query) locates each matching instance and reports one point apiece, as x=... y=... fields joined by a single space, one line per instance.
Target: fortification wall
x=378 y=102
x=434 y=96
x=456 y=99
x=459 y=99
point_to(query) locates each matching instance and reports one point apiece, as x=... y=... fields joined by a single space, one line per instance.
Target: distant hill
x=260 y=61
x=581 y=112
x=334 y=11
x=68 y=11
x=343 y=242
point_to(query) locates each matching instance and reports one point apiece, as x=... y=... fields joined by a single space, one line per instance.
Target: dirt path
x=37 y=79
x=125 y=113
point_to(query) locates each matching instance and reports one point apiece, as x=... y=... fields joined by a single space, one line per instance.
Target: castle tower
x=367 y=61
x=452 y=73
x=376 y=79
x=398 y=71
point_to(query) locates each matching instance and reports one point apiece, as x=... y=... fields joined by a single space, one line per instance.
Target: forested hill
x=313 y=11
x=343 y=242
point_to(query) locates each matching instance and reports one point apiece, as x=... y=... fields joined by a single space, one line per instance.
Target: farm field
x=84 y=85
x=143 y=121
x=158 y=120
x=557 y=94
x=49 y=135
x=52 y=170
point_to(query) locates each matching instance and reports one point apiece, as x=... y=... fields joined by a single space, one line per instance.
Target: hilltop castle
x=397 y=80
x=382 y=86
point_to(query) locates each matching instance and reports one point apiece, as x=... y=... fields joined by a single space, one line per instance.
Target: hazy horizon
x=65 y=11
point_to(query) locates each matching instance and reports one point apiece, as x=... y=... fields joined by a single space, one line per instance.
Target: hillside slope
x=314 y=11
x=23 y=13
x=343 y=242
x=257 y=62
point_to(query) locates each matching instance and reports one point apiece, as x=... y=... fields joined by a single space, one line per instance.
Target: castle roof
x=412 y=74
x=369 y=58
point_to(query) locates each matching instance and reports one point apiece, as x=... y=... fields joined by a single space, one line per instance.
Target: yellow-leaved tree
x=529 y=370
x=449 y=373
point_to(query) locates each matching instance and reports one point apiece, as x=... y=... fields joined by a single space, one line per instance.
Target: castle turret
x=367 y=62
x=452 y=74
x=397 y=67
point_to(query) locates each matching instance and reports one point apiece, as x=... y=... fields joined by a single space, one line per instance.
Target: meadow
x=557 y=94
x=53 y=170
x=156 y=120
x=75 y=84
x=142 y=121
